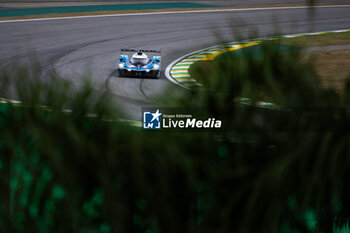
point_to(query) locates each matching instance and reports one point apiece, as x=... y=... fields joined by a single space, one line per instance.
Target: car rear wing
x=141 y=50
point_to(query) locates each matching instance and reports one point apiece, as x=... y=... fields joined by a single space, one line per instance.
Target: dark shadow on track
x=114 y=74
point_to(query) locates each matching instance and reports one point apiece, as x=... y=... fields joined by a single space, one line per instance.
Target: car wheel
x=156 y=75
x=121 y=73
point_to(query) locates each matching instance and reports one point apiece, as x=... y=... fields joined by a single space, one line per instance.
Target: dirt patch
x=330 y=54
x=333 y=67
x=329 y=48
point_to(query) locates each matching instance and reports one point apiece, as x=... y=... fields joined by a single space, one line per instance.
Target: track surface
x=73 y=47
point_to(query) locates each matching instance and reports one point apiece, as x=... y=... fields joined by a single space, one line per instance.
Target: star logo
x=151 y=119
x=156 y=115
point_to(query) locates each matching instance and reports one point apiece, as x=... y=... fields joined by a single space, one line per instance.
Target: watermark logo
x=178 y=119
x=152 y=120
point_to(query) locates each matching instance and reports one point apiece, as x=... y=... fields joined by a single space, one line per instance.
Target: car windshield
x=142 y=61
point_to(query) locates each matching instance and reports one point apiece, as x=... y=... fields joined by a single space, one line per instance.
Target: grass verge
x=327 y=39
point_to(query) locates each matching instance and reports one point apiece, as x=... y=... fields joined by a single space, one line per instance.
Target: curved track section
x=89 y=46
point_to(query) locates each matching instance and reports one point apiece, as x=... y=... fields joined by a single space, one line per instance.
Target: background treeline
x=283 y=170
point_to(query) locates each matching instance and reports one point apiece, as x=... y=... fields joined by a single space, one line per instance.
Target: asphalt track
x=77 y=47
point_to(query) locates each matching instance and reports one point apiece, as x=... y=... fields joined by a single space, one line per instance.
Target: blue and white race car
x=136 y=63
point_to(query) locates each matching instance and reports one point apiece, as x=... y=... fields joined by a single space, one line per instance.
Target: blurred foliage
x=267 y=171
x=269 y=72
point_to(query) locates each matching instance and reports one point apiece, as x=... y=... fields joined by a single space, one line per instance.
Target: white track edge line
x=172 y=12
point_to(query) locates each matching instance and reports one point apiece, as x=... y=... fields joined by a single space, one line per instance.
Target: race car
x=136 y=63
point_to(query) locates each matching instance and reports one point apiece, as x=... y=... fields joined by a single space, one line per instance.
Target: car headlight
x=156 y=67
x=121 y=65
